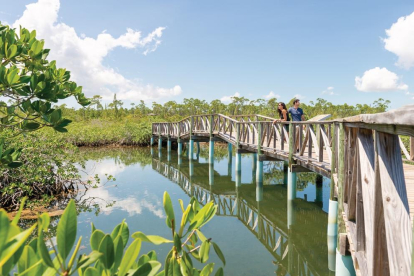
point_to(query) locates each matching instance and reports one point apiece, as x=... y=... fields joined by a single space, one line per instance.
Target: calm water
x=254 y=236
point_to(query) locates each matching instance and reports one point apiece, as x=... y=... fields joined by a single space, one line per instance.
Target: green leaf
x=207 y=270
x=96 y=239
x=91 y=271
x=55 y=116
x=44 y=253
x=219 y=272
x=44 y=221
x=66 y=230
x=75 y=252
x=106 y=247
x=185 y=271
x=31 y=126
x=177 y=242
x=16 y=243
x=204 y=251
x=11 y=52
x=93 y=227
x=150 y=238
x=17 y=216
x=219 y=253
x=149 y=269
x=119 y=252
x=168 y=208
x=14 y=164
x=121 y=230
x=131 y=254
x=181 y=204
x=86 y=261
x=4 y=229
x=201 y=235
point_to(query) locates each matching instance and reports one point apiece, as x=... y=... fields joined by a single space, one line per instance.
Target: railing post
x=179 y=143
x=291 y=175
x=412 y=150
x=191 y=142
x=333 y=211
x=159 y=137
x=344 y=264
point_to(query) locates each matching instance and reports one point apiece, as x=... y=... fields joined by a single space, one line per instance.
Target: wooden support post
x=333 y=166
x=412 y=148
x=309 y=141
x=211 y=125
x=396 y=214
x=341 y=178
x=320 y=143
x=259 y=138
x=291 y=143
x=237 y=135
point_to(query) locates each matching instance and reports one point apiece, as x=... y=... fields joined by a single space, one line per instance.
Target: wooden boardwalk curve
x=365 y=158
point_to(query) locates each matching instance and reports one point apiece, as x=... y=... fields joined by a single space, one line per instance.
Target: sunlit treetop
x=29 y=83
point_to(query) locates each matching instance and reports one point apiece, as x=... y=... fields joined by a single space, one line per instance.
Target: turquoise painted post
x=285 y=172
x=332 y=233
x=211 y=173
x=180 y=160
x=152 y=152
x=319 y=188
x=291 y=184
x=238 y=179
x=190 y=149
x=229 y=159
x=211 y=152
x=290 y=213
x=159 y=143
x=169 y=144
x=152 y=141
x=191 y=167
x=180 y=148
x=344 y=265
x=168 y=156
x=198 y=150
x=259 y=191
x=238 y=162
x=254 y=168
x=159 y=153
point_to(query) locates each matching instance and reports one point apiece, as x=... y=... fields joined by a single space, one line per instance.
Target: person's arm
x=284 y=112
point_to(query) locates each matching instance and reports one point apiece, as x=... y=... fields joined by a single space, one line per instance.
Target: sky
x=343 y=51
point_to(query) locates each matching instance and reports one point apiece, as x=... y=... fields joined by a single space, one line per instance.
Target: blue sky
x=214 y=49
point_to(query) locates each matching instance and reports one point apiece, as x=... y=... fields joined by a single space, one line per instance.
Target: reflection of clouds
x=132 y=205
x=101 y=168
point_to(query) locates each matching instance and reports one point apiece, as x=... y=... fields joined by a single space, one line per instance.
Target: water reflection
x=294 y=233
x=258 y=231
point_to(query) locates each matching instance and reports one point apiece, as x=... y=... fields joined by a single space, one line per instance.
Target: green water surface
x=254 y=235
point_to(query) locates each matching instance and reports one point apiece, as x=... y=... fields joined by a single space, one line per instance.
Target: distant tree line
x=238 y=105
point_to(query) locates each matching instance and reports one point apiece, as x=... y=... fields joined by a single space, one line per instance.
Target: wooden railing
x=365 y=157
x=372 y=193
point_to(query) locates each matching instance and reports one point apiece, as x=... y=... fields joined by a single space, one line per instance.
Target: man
x=296 y=113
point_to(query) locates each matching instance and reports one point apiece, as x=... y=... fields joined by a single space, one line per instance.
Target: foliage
x=48 y=169
x=109 y=254
x=29 y=84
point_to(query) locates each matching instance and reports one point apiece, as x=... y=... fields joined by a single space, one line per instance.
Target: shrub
x=109 y=254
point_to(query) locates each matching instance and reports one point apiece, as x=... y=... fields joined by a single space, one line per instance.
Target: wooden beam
x=395 y=204
x=391 y=129
x=343 y=244
x=263 y=157
x=411 y=148
x=298 y=168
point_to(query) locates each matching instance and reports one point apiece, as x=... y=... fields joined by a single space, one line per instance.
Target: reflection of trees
x=121 y=155
x=220 y=151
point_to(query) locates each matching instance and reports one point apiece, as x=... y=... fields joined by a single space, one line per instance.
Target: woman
x=284 y=115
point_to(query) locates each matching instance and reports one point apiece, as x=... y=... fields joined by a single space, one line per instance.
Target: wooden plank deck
x=409 y=182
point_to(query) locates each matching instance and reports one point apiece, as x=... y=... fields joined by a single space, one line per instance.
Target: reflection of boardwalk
x=267 y=224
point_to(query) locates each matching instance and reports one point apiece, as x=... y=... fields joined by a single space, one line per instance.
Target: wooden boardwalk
x=363 y=155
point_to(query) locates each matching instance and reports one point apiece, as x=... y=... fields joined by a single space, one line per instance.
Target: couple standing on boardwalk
x=294 y=111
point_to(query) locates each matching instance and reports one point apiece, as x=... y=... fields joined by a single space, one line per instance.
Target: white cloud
x=271 y=95
x=400 y=40
x=379 y=80
x=329 y=91
x=84 y=56
x=299 y=96
x=228 y=99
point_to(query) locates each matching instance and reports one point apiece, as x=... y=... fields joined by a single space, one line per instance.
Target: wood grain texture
x=367 y=169
x=395 y=202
